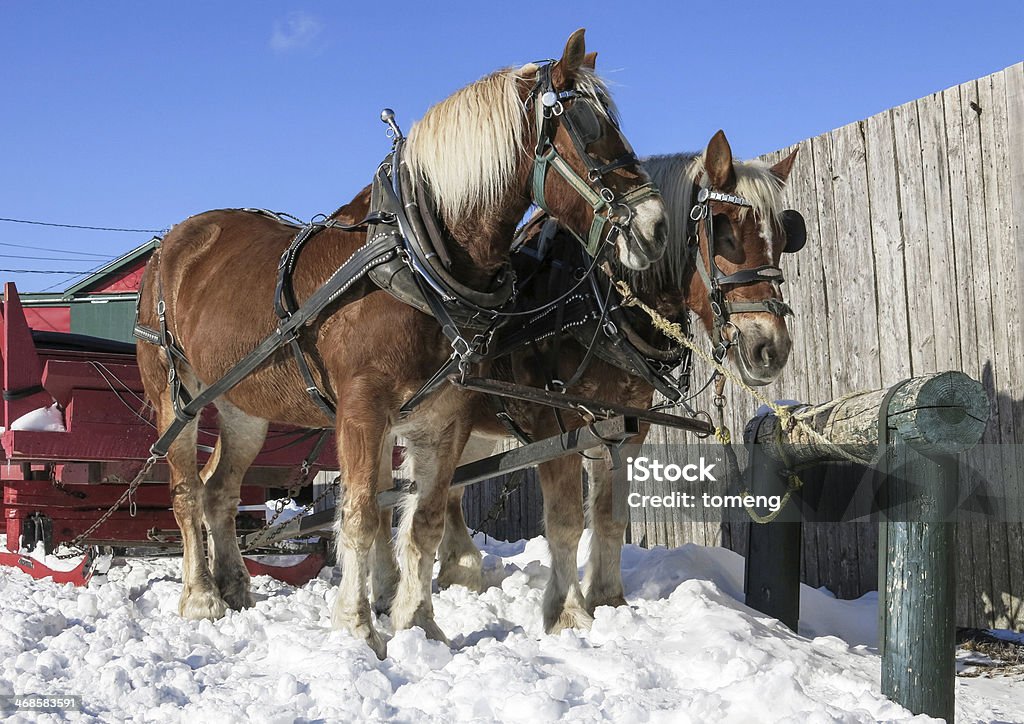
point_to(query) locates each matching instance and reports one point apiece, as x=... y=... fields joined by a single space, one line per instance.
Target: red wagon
x=57 y=483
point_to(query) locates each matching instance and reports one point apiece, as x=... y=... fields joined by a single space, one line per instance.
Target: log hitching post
x=921 y=425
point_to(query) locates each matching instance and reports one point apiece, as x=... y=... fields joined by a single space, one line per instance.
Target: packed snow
x=45 y=419
x=684 y=650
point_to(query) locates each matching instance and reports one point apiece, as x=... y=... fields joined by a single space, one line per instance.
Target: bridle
x=581 y=122
x=715 y=279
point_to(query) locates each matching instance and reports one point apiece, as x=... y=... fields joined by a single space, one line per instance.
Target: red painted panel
x=44 y=495
x=49 y=319
x=125 y=279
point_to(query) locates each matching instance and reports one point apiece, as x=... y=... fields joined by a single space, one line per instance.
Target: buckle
x=461 y=347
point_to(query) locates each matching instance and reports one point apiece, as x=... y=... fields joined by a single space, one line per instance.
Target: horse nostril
x=765 y=352
x=660 y=232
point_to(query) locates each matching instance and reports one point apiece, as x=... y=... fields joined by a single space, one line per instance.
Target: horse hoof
x=363 y=630
x=574 y=618
x=434 y=633
x=196 y=605
x=466 y=571
x=613 y=601
x=239 y=599
x=382 y=605
x=422 y=619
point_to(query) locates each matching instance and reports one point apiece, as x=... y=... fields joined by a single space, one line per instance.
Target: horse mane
x=467 y=148
x=675 y=176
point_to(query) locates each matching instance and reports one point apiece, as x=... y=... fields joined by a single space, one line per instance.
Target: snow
x=685 y=650
x=45 y=419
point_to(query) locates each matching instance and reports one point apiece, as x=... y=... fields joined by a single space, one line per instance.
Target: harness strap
x=376 y=252
x=312 y=389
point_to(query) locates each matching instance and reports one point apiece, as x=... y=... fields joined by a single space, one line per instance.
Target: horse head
x=579 y=137
x=740 y=232
x=545 y=133
x=728 y=231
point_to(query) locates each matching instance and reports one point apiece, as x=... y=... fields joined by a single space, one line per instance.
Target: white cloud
x=296 y=32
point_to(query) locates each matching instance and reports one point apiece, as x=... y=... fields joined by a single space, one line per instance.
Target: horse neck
x=480 y=242
x=355 y=210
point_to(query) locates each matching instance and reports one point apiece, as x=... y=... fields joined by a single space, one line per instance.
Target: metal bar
x=612 y=431
x=615 y=430
x=600 y=408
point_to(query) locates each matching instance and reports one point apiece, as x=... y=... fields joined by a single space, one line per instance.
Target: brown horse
x=214 y=280
x=745 y=240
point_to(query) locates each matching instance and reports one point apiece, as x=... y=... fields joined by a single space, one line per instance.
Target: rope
x=785 y=415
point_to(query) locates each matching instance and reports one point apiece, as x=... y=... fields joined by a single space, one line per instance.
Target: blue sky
x=138 y=114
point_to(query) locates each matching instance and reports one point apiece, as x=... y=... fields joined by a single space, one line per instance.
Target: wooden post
x=917 y=581
x=772 y=574
x=927 y=422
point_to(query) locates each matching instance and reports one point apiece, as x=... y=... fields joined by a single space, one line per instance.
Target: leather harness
x=404 y=254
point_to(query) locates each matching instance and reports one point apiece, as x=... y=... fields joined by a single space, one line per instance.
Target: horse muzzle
x=643 y=238
x=761 y=348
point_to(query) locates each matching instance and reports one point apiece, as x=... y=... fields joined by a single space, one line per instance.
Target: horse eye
x=723 y=230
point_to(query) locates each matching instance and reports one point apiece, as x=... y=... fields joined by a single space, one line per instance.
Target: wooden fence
x=914 y=264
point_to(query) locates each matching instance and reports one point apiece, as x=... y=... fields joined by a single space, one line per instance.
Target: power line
x=58 y=251
x=79 y=226
x=43 y=258
x=77 y=276
x=40 y=271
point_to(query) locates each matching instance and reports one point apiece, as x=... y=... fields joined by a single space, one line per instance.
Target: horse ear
x=718 y=163
x=572 y=58
x=783 y=167
x=590 y=60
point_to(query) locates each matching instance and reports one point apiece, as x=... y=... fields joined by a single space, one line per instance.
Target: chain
x=512 y=483
x=270 y=527
x=129 y=495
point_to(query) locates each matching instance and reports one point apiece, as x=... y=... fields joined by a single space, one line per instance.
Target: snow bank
x=684 y=651
x=45 y=419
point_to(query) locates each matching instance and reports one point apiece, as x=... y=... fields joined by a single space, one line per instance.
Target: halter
x=714 y=278
x=583 y=126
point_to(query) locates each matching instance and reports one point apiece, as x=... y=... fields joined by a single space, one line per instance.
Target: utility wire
x=79 y=226
x=66 y=282
x=40 y=271
x=46 y=258
x=59 y=251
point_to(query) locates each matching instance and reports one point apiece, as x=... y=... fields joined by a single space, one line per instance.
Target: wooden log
x=939 y=414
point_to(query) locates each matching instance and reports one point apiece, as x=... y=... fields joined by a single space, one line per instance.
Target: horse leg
x=434 y=451
x=561 y=481
x=461 y=562
x=384 y=571
x=361 y=432
x=241 y=439
x=602 y=582
x=200 y=597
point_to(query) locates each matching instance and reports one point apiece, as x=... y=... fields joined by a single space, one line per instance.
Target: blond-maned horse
x=214 y=279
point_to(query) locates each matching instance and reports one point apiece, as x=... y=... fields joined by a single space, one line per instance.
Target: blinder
x=583 y=118
x=583 y=123
x=795 y=229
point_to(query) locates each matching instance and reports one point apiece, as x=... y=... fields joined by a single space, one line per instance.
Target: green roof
x=113 y=266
